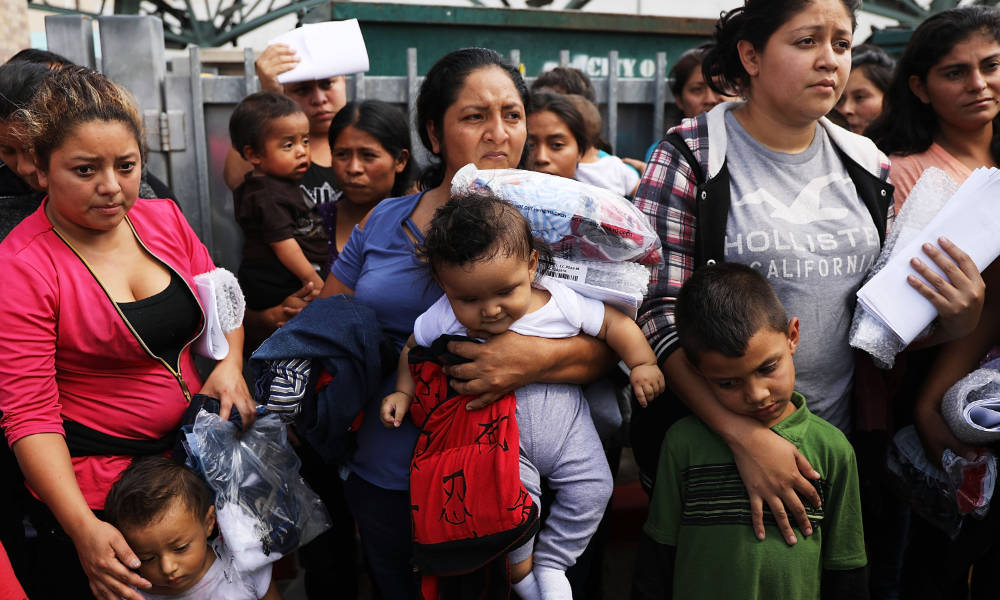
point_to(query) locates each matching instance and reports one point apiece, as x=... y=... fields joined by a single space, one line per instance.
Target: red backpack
x=468 y=505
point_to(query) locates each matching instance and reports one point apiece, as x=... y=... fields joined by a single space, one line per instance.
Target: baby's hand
x=394 y=408
x=647 y=382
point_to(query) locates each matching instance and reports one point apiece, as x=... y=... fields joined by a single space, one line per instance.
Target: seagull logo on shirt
x=806 y=206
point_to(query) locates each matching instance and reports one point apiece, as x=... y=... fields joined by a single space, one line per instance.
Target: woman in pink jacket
x=98 y=316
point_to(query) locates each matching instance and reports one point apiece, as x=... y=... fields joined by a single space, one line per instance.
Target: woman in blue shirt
x=470 y=109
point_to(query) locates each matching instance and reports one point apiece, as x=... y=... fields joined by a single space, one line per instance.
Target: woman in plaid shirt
x=778 y=187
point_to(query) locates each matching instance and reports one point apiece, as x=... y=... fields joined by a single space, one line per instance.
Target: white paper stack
x=928 y=196
x=971 y=219
x=325 y=50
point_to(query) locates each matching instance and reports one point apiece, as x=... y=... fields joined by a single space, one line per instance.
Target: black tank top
x=165 y=321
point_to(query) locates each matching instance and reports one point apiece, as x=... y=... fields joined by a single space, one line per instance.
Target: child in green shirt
x=698 y=541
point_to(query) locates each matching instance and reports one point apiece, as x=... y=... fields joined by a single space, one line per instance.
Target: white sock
x=527 y=588
x=553 y=583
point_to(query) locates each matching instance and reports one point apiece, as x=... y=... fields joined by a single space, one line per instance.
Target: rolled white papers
x=971 y=219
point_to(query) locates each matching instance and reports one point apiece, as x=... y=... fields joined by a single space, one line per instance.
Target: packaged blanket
x=577 y=220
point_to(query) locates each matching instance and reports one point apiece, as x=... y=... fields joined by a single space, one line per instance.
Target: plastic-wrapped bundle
x=577 y=220
x=622 y=285
x=941 y=497
x=265 y=509
x=931 y=192
x=971 y=407
x=224 y=305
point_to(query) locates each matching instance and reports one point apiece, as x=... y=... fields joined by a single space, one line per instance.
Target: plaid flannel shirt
x=666 y=195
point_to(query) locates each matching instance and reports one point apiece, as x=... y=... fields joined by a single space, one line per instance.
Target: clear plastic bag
x=265 y=510
x=973 y=480
x=942 y=497
x=577 y=220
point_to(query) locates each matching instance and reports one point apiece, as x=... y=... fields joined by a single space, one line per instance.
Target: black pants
x=48 y=566
x=937 y=568
x=383 y=518
x=330 y=560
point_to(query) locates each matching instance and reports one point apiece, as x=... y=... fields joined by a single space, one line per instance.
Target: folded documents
x=928 y=196
x=971 y=219
x=325 y=50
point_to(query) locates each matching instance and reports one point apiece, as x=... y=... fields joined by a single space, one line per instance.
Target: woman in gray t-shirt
x=808 y=205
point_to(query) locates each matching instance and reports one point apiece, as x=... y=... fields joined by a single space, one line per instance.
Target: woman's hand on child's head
x=394 y=408
x=959 y=298
x=107 y=560
x=935 y=435
x=647 y=383
x=774 y=472
x=273 y=61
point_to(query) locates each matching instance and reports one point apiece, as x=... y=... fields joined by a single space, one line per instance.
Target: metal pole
x=412 y=88
x=660 y=96
x=612 y=131
x=359 y=87
x=197 y=111
x=250 y=83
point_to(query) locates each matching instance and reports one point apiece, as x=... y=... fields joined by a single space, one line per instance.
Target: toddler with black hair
x=285 y=243
x=166 y=514
x=481 y=251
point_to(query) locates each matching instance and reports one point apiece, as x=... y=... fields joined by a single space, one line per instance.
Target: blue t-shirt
x=379 y=264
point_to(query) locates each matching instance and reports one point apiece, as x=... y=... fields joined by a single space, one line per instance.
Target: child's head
x=735 y=332
x=165 y=513
x=481 y=251
x=271 y=132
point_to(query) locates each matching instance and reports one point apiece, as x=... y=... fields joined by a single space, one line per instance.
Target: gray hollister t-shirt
x=798 y=220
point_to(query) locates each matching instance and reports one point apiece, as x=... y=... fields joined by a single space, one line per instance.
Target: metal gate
x=186 y=113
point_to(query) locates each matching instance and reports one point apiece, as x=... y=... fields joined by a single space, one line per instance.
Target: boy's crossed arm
x=291 y=256
x=627 y=340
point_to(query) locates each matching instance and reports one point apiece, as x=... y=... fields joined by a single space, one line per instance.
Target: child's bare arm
x=396 y=404
x=272 y=592
x=290 y=254
x=627 y=340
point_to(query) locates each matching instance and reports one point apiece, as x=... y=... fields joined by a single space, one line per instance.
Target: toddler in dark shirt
x=285 y=244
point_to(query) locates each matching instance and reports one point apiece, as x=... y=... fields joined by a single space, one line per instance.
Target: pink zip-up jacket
x=66 y=352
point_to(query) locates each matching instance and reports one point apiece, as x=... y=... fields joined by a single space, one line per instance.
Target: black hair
x=387 y=124
x=251 y=119
x=875 y=64
x=907 y=125
x=148 y=486
x=720 y=307
x=478 y=227
x=441 y=87
x=18 y=83
x=565 y=80
x=755 y=21
x=685 y=66
x=41 y=57
x=592 y=121
x=564 y=108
